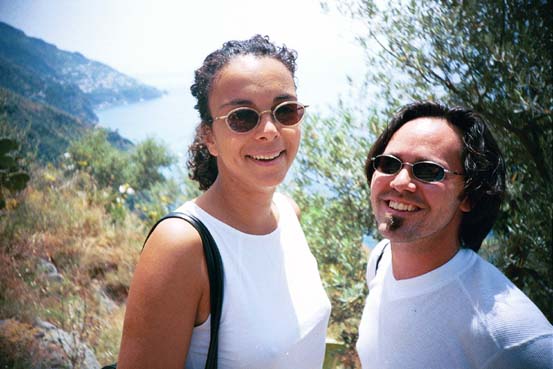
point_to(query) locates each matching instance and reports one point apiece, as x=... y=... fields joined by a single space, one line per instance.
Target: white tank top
x=275 y=310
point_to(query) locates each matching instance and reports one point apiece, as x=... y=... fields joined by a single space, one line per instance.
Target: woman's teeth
x=266 y=157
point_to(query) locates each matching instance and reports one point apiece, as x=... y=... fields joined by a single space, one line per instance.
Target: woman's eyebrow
x=246 y=102
x=237 y=102
x=285 y=97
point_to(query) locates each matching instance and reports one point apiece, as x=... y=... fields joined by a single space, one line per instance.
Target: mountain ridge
x=67 y=80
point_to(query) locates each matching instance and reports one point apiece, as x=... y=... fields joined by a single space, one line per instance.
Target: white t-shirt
x=275 y=310
x=464 y=314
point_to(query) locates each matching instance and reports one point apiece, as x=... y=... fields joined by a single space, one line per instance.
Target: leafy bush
x=12 y=176
x=147 y=160
x=95 y=155
x=139 y=168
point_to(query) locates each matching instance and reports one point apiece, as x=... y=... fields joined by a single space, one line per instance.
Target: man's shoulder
x=491 y=289
x=484 y=277
x=378 y=250
x=509 y=315
x=375 y=258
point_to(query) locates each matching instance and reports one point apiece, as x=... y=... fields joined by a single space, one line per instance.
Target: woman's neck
x=249 y=211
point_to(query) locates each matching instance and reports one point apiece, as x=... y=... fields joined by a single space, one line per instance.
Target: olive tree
x=494 y=57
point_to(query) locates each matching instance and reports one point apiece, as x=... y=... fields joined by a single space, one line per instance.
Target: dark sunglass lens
x=289 y=114
x=387 y=164
x=242 y=120
x=428 y=172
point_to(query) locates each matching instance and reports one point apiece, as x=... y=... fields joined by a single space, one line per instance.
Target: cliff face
x=68 y=81
x=44 y=130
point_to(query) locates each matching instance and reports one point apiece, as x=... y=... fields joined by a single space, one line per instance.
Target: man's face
x=408 y=210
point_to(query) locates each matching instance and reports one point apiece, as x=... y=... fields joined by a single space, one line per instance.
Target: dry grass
x=66 y=221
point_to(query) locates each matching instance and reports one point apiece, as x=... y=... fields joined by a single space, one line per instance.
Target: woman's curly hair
x=202 y=165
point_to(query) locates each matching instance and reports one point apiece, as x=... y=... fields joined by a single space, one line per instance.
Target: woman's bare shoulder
x=173 y=255
x=173 y=236
x=169 y=284
x=172 y=258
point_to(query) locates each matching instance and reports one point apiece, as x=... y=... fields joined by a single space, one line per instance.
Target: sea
x=170 y=119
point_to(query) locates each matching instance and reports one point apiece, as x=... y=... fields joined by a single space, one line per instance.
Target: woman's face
x=261 y=157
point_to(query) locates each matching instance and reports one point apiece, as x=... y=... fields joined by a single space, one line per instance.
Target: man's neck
x=413 y=259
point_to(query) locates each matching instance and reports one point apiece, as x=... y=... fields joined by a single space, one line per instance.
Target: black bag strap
x=215 y=273
x=379 y=257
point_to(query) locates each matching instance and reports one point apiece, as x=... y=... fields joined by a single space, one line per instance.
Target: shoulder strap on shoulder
x=215 y=272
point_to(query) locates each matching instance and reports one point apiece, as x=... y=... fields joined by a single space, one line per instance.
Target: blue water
x=170 y=119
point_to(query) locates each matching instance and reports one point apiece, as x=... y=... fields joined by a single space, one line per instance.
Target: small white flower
x=130 y=191
x=122 y=188
x=67 y=155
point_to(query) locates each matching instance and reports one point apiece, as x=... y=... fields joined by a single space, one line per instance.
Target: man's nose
x=403 y=180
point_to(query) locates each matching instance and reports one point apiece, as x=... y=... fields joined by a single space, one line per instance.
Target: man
x=437 y=178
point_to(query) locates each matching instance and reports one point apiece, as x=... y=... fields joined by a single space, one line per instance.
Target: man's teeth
x=400 y=206
x=266 y=157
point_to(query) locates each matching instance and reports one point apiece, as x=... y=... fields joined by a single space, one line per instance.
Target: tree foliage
x=494 y=57
x=13 y=178
x=332 y=193
x=141 y=167
x=94 y=154
x=148 y=158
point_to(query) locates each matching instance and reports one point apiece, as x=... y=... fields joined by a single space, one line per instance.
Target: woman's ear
x=209 y=139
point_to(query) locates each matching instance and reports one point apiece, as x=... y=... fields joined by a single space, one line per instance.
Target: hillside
x=46 y=131
x=41 y=72
x=47 y=90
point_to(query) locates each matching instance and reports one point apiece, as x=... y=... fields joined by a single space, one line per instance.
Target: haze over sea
x=170 y=119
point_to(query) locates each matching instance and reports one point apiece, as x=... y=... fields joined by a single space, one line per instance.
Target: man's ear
x=209 y=139
x=466 y=205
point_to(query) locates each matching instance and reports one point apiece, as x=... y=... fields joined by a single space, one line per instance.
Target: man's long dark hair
x=482 y=161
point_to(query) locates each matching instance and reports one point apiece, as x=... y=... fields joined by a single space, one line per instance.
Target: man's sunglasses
x=244 y=119
x=425 y=171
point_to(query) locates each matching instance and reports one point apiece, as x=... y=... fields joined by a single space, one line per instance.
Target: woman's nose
x=267 y=128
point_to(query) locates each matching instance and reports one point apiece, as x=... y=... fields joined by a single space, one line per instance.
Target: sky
x=162 y=42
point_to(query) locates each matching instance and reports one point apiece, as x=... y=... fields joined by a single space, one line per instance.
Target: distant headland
x=41 y=72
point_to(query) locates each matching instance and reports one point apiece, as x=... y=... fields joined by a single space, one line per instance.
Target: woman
x=275 y=310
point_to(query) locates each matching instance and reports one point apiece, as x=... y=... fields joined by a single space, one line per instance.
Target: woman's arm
x=169 y=295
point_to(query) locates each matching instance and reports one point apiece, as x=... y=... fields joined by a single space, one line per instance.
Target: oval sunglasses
x=425 y=171
x=244 y=119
